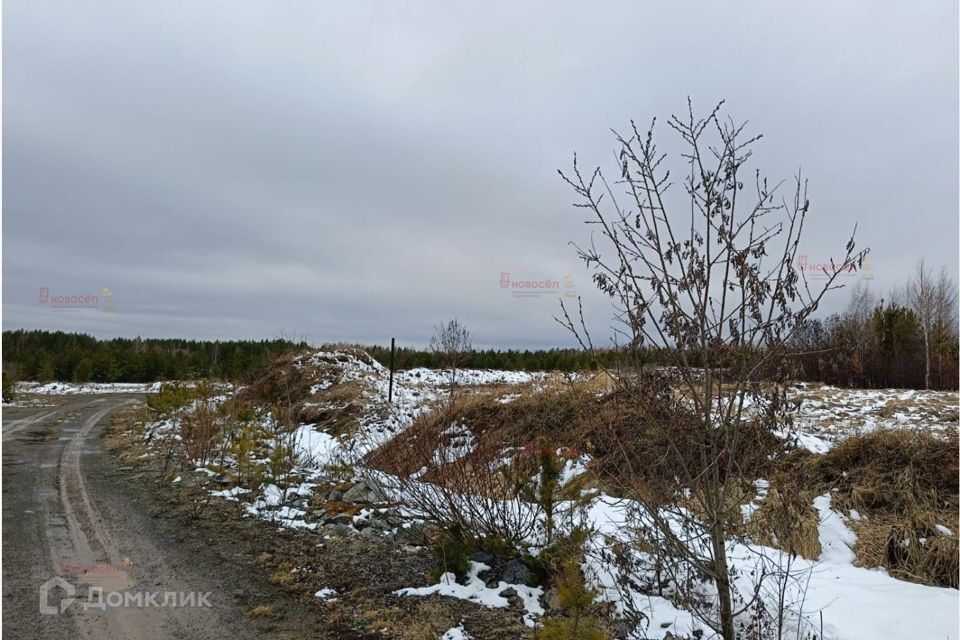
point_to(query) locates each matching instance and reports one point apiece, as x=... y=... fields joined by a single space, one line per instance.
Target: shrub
x=576 y=600
x=8 y=386
x=453 y=552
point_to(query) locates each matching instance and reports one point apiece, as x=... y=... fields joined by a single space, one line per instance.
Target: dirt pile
x=330 y=389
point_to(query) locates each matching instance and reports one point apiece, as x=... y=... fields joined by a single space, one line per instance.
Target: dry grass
x=336 y=410
x=283 y=575
x=470 y=462
x=910 y=547
x=901 y=484
x=282 y=382
x=904 y=484
x=338 y=507
x=644 y=440
x=496 y=426
x=892 y=407
x=433 y=618
x=886 y=470
x=286 y=384
x=787 y=520
x=261 y=611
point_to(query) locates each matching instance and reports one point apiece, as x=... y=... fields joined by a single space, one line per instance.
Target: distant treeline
x=870 y=345
x=881 y=347
x=510 y=360
x=73 y=357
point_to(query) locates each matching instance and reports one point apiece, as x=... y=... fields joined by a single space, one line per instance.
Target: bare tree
x=920 y=295
x=944 y=320
x=451 y=344
x=711 y=286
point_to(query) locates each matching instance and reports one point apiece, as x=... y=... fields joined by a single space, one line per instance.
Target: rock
x=336 y=530
x=418 y=534
x=393 y=517
x=513 y=598
x=380 y=526
x=551 y=600
x=516 y=572
x=340 y=518
x=356 y=493
x=363 y=491
x=483 y=557
x=335 y=496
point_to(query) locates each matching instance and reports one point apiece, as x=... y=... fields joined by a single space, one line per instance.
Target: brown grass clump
x=337 y=507
x=336 y=410
x=886 y=470
x=910 y=547
x=787 y=520
x=496 y=426
x=901 y=484
x=261 y=611
x=287 y=383
x=894 y=406
x=904 y=483
x=282 y=577
x=282 y=382
x=645 y=439
x=470 y=463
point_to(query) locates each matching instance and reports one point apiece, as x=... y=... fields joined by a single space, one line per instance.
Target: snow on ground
x=96 y=388
x=456 y=633
x=855 y=603
x=573 y=468
x=319 y=447
x=862 y=604
x=69 y=388
x=415 y=391
x=836 y=538
x=467 y=377
x=273 y=505
x=327 y=593
x=475 y=590
x=461 y=442
x=828 y=414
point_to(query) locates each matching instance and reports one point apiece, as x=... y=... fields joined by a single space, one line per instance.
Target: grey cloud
x=231 y=169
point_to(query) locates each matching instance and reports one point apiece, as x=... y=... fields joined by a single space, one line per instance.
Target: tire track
x=90 y=541
x=70 y=512
x=14 y=427
x=96 y=560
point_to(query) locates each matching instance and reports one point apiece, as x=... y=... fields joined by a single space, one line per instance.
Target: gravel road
x=71 y=515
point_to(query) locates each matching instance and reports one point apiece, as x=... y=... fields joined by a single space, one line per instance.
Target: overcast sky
x=355 y=171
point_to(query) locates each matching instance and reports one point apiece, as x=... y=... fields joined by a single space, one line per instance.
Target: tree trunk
x=718 y=541
x=926 y=354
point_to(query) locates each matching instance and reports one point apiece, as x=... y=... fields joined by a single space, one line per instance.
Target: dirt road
x=70 y=516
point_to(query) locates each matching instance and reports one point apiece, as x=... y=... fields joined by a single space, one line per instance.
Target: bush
x=576 y=600
x=8 y=386
x=453 y=552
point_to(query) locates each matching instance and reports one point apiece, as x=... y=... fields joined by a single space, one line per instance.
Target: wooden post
x=393 y=348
